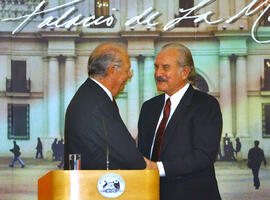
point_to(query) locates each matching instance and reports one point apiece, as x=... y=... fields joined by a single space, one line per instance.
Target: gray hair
x=102 y=58
x=185 y=60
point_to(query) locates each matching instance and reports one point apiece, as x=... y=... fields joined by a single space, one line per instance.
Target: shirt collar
x=108 y=92
x=176 y=97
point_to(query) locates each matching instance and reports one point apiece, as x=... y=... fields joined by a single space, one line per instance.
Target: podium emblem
x=111 y=185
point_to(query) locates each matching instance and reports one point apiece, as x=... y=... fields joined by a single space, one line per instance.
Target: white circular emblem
x=111 y=185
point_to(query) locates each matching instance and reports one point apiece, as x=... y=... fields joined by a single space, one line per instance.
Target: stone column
x=149 y=88
x=226 y=94
x=214 y=8
x=5 y=71
x=133 y=98
x=147 y=4
x=53 y=4
x=53 y=98
x=84 y=8
x=132 y=8
x=239 y=5
x=243 y=21
x=224 y=9
x=70 y=85
x=172 y=9
x=241 y=98
x=45 y=91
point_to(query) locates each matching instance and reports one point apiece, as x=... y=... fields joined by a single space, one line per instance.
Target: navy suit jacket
x=84 y=131
x=190 y=145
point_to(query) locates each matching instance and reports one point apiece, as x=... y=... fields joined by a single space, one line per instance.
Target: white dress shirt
x=108 y=92
x=175 y=99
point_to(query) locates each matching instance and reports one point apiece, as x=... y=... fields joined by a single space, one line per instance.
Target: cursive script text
x=147 y=18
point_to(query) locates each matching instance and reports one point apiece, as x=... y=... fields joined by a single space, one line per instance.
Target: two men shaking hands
x=178 y=131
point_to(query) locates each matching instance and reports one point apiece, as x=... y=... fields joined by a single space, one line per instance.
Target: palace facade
x=40 y=69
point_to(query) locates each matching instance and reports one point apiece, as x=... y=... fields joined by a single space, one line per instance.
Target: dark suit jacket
x=255 y=157
x=84 y=131
x=190 y=145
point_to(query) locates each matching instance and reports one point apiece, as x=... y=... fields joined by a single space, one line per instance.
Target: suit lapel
x=107 y=101
x=99 y=91
x=157 y=110
x=177 y=117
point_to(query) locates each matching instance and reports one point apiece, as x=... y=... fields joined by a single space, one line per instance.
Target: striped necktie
x=160 y=132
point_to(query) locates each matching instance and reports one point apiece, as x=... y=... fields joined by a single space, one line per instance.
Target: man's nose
x=158 y=71
x=130 y=74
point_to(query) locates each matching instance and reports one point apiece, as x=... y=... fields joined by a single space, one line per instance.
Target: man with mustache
x=181 y=129
x=93 y=109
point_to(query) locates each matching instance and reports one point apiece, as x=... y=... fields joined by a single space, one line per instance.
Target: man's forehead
x=170 y=52
x=167 y=56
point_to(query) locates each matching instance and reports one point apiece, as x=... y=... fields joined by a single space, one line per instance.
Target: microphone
x=107 y=145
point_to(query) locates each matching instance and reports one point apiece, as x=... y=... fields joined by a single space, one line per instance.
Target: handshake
x=150 y=164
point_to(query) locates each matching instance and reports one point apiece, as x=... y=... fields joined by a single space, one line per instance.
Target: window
x=102 y=8
x=264 y=20
x=266 y=82
x=18 y=75
x=20 y=2
x=18 y=121
x=185 y=4
x=18 y=82
x=266 y=120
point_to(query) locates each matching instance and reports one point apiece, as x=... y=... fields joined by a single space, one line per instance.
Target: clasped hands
x=150 y=164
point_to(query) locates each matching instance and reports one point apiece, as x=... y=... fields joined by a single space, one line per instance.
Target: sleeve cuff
x=161 y=169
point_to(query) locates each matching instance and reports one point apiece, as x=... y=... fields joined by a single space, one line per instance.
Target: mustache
x=161 y=79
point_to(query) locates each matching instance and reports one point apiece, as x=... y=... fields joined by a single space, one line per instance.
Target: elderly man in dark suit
x=181 y=129
x=93 y=109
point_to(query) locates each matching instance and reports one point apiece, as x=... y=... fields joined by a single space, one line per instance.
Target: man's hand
x=150 y=164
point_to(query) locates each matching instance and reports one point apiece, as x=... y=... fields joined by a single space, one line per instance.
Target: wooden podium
x=83 y=185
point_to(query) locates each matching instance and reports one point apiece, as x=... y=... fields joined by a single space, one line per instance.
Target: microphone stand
x=107 y=145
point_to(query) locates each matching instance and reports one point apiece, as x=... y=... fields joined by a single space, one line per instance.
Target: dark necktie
x=114 y=102
x=160 y=132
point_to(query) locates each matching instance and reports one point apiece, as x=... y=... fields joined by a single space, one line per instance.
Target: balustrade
x=16 y=8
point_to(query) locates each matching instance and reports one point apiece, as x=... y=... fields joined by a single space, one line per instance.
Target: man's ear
x=111 y=71
x=186 y=72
